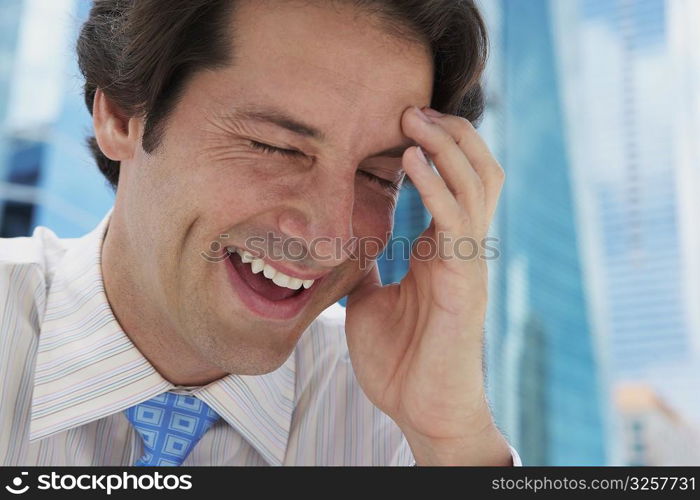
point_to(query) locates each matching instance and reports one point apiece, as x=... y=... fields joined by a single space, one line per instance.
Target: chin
x=250 y=356
x=259 y=363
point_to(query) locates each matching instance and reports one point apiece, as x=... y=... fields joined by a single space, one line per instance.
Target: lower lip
x=285 y=309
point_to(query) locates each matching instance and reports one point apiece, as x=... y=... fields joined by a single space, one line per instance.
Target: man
x=169 y=336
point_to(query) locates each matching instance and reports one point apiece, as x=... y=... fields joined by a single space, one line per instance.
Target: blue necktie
x=170 y=425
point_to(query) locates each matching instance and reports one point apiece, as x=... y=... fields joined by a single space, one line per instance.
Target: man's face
x=347 y=82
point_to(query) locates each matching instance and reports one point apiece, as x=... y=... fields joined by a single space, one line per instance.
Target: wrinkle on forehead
x=377 y=10
x=374 y=12
x=326 y=68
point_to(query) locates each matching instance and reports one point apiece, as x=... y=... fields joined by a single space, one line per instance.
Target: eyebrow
x=281 y=120
x=295 y=126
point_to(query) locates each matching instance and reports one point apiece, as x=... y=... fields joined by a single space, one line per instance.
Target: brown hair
x=141 y=53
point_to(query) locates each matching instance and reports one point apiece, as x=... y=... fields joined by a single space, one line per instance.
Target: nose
x=324 y=221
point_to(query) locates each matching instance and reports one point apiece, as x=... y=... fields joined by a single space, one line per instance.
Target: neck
x=141 y=316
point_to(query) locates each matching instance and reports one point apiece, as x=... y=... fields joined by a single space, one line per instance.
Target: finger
x=449 y=159
x=477 y=152
x=447 y=213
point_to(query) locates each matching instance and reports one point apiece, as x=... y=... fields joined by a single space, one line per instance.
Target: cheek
x=373 y=218
x=253 y=180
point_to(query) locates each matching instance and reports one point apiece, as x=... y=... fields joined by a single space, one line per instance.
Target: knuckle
x=498 y=172
x=464 y=219
x=462 y=129
x=445 y=140
x=431 y=198
x=464 y=124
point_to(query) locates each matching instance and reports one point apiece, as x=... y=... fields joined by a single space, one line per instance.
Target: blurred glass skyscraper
x=70 y=174
x=47 y=176
x=544 y=379
x=10 y=14
x=625 y=65
x=630 y=75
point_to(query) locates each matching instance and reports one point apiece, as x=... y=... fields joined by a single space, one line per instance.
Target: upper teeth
x=277 y=277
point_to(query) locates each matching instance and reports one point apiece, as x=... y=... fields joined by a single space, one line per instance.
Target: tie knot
x=170 y=425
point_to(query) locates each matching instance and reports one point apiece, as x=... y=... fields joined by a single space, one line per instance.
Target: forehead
x=322 y=62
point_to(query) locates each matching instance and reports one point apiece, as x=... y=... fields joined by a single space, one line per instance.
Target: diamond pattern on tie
x=170 y=425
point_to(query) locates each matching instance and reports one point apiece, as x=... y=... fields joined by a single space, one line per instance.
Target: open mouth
x=265 y=290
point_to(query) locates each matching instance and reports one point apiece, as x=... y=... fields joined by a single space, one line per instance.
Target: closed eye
x=385 y=183
x=274 y=150
x=266 y=148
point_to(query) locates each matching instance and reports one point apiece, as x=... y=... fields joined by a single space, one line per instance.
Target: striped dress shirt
x=68 y=370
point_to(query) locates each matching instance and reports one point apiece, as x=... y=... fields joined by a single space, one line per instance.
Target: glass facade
x=543 y=367
x=48 y=177
x=10 y=14
x=635 y=179
x=80 y=196
x=24 y=160
x=632 y=106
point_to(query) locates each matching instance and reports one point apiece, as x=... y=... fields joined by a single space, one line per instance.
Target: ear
x=117 y=134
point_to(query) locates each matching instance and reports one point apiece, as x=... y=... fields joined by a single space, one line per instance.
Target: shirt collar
x=87 y=368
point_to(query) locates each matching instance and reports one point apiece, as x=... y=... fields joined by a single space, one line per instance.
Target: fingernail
x=432 y=112
x=422 y=115
x=421 y=156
